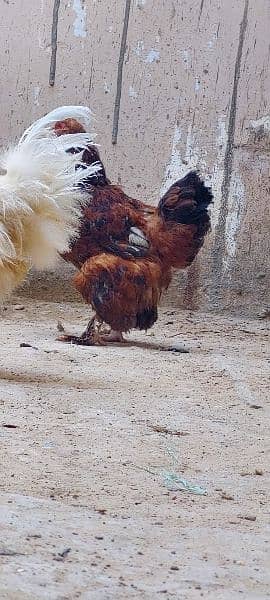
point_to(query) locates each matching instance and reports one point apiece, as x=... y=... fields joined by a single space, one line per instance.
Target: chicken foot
x=113 y=336
x=89 y=337
x=92 y=335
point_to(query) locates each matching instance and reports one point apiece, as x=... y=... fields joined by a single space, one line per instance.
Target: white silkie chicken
x=40 y=196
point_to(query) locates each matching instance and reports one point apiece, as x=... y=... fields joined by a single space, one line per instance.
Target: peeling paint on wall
x=79 y=25
x=197 y=84
x=139 y=48
x=212 y=41
x=179 y=166
x=185 y=55
x=261 y=125
x=106 y=88
x=193 y=156
x=236 y=207
x=152 y=56
x=132 y=93
x=217 y=175
x=260 y=132
x=175 y=164
x=36 y=94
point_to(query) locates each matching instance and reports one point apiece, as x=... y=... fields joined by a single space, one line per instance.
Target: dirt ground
x=94 y=438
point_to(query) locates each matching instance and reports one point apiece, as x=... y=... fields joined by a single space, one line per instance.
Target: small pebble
x=26 y=345
x=177 y=348
x=227 y=496
x=19 y=307
x=258 y=472
x=60 y=327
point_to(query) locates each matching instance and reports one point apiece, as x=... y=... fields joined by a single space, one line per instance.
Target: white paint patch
x=175 y=164
x=79 y=25
x=149 y=57
x=140 y=3
x=212 y=41
x=152 y=56
x=261 y=125
x=41 y=23
x=197 y=85
x=139 y=48
x=36 y=94
x=236 y=206
x=218 y=169
x=178 y=167
x=192 y=157
x=185 y=55
x=132 y=92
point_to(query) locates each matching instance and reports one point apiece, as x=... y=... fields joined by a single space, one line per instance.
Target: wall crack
x=120 y=74
x=219 y=242
x=56 y=7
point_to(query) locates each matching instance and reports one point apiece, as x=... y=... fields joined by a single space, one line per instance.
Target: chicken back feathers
x=110 y=223
x=127 y=249
x=40 y=199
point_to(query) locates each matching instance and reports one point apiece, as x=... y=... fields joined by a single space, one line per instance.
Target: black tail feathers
x=146 y=318
x=186 y=202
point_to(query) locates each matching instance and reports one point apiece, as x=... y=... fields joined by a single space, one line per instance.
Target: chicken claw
x=94 y=335
x=89 y=337
x=82 y=340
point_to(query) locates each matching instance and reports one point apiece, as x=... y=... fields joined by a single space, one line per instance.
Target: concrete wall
x=195 y=84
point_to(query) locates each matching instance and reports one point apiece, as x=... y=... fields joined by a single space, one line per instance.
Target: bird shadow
x=151 y=346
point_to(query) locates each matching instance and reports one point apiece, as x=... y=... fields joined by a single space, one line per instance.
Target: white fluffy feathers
x=39 y=202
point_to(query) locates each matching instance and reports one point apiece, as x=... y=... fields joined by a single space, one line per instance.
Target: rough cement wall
x=195 y=84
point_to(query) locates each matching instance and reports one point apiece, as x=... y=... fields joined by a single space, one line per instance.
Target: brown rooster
x=126 y=249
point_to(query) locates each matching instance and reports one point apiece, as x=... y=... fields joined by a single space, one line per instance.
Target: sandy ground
x=88 y=438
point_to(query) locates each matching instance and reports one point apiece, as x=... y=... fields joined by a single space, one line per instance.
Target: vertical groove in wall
x=200 y=11
x=219 y=243
x=120 y=74
x=56 y=7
